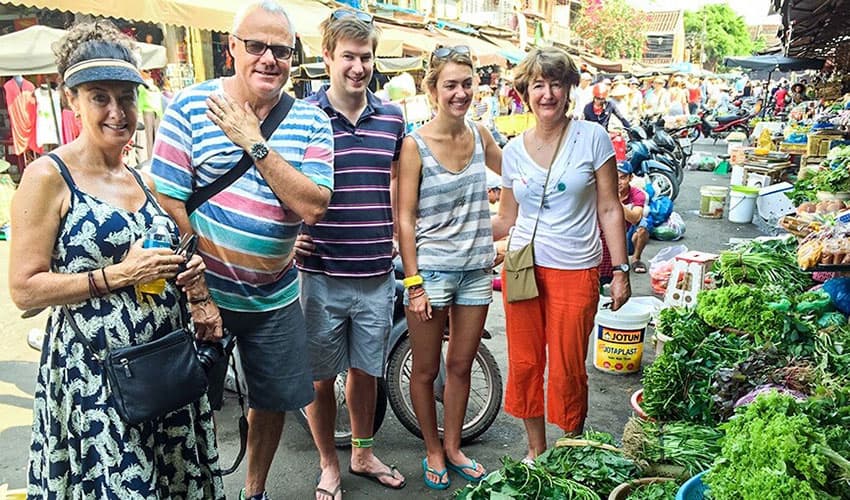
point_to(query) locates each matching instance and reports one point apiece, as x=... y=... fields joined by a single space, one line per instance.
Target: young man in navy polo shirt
x=347 y=285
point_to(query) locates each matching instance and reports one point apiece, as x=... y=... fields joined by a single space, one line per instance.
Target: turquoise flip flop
x=441 y=474
x=459 y=469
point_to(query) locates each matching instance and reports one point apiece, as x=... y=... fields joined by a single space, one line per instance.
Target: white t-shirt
x=568 y=233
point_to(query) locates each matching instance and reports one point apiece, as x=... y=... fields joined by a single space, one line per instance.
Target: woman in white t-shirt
x=579 y=196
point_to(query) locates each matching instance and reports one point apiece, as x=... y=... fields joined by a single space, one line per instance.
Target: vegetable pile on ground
x=763 y=262
x=670 y=449
x=585 y=468
x=773 y=450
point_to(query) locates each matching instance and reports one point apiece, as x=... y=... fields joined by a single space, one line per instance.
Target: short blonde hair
x=550 y=63
x=429 y=83
x=347 y=28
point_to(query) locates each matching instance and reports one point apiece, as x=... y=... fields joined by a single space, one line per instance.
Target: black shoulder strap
x=276 y=115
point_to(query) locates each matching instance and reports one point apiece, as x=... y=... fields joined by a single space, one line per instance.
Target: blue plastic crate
x=693 y=489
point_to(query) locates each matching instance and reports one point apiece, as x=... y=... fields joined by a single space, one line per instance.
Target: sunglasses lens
x=462 y=49
x=442 y=52
x=364 y=16
x=255 y=47
x=281 y=51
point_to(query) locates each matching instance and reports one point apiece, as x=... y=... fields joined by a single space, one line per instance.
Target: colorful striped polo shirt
x=453 y=230
x=245 y=234
x=354 y=239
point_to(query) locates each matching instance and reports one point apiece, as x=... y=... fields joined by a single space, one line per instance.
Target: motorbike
x=668 y=146
x=485 y=393
x=722 y=125
x=660 y=175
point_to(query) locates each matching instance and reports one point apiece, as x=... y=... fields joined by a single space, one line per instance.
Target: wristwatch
x=259 y=150
x=623 y=268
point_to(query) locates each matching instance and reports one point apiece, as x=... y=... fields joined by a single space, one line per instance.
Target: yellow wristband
x=412 y=281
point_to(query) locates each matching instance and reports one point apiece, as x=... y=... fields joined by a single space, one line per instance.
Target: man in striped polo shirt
x=247 y=231
x=347 y=287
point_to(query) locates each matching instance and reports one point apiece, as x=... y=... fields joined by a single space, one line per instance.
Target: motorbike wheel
x=664 y=184
x=693 y=134
x=342 y=426
x=485 y=392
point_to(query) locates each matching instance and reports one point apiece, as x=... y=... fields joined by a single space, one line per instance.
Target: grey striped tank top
x=453 y=231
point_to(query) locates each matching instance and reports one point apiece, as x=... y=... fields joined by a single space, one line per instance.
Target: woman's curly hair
x=94 y=40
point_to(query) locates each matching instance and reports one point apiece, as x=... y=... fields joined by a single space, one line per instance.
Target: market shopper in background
x=582 y=95
x=247 y=231
x=579 y=197
x=346 y=260
x=601 y=109
x=657 y=100
x=634 y=202
x=446 y=248
x=79 y=218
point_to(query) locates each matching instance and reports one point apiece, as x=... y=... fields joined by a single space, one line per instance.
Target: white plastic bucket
x=742 y=203
x=618 y=338
x=712 y=199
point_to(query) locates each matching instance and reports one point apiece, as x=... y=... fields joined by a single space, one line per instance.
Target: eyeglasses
x=359 y=14
x=444 y=52
x=258 y=48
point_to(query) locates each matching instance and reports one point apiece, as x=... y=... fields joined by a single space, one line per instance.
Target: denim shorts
x=273 y=350
x=464 y=288
x=348 y=322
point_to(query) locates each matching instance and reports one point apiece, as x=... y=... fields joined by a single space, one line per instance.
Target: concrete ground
x=296 y=463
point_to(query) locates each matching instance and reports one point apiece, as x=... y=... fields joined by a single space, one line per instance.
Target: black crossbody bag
x=149 y=380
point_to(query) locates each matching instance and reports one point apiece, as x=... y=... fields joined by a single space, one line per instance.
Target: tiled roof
x=663 y=21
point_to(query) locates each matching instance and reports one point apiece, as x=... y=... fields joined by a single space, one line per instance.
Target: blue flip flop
x=459 y=469
x=441 y=474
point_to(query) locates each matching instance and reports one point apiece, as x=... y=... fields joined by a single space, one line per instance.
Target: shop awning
x=29 y=52
x=387 y=66
x=195 y=14
x=772 y=62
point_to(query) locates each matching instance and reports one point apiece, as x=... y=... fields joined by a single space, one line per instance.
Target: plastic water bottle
x=158 y=236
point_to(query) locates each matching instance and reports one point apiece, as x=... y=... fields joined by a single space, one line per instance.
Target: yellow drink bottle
x=158 y=236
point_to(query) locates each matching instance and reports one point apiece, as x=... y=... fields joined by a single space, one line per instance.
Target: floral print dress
x=80 y=446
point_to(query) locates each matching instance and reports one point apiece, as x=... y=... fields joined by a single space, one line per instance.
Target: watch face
x=259 y=151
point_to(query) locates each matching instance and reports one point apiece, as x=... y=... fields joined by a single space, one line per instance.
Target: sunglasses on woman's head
x=359 y=14
x=258 y=48
x=444 y=52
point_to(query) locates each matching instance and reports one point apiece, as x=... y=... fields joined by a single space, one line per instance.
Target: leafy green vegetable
x=677 y=386
x=741 y=308
x=691 y=446
x=565 y=472
x=654 y=491
x=773 y=450
x=763 y=262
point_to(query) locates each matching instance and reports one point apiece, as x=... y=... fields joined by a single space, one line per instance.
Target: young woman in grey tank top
x=446 y=246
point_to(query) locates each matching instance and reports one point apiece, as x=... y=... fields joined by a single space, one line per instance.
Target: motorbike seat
x=727 y=118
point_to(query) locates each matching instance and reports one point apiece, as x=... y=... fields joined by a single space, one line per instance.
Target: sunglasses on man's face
x=258 y=48
x=359 y=14
x=444 y=52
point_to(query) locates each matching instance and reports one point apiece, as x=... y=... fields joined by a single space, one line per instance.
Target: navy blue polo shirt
x=354 y=239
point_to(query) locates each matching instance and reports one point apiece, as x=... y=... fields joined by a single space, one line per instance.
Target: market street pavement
x=296 y=464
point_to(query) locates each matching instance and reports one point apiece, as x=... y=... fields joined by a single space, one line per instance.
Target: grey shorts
x=348 y=322
x=464 y=288
x=273 y=349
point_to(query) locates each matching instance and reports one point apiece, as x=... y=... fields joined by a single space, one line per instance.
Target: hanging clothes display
x=70 y=126
x=48 y=113
x=150 y=105
x=20 y=102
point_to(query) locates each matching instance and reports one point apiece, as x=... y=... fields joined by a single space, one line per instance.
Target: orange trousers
x=558 y=320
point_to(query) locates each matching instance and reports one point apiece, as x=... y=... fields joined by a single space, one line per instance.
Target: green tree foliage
x=612 y=29
x=718 y=31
